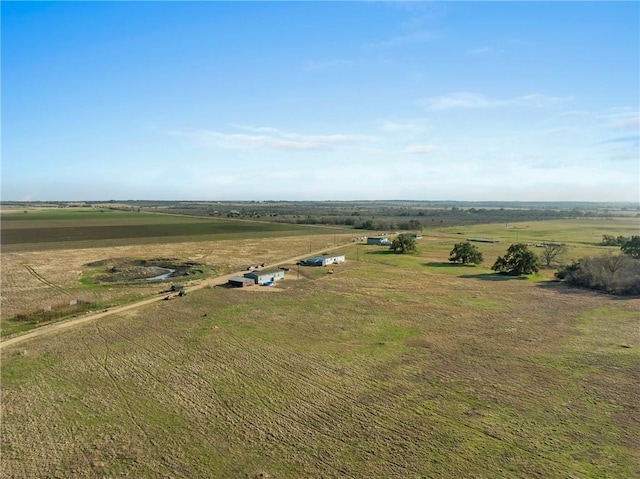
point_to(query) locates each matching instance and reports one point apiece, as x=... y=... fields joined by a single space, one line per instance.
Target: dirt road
x=72 y=323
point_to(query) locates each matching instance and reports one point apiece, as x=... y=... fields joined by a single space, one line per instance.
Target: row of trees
x=518 y=260
x=617 y=274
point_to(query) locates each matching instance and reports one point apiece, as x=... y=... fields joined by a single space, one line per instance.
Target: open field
x=386 y=368
x=393 y=366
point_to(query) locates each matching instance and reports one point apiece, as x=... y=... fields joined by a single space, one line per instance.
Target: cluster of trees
x=518 y=260
x=617 y=274
x=610 y=240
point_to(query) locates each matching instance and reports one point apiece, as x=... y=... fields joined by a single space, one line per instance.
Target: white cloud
x=632 y=124
x=272 y=138
x=403 y=126
x=463 y=99
x=466 y=99
x=420 y=149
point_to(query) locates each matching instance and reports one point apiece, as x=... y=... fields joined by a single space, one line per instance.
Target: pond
x=168 y=272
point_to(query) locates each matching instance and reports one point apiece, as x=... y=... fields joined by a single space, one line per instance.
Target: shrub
x=615 y=274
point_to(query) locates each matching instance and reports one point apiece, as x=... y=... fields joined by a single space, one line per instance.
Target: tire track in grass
x=329 y=421
x=228 y=408
x=255 y=359
x=114 y=381
x=45 y=281
x=401 y=427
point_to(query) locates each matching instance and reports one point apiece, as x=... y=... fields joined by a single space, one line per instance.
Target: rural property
x=393 y=365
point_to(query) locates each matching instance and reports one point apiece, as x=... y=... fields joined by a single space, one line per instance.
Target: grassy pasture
x=585 y=232
x=386 y=368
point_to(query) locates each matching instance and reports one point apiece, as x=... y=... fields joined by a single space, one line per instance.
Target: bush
x=615 y=274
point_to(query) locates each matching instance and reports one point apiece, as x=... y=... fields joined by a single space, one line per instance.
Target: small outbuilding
x=324 y=260
x=240 y=282
x=378 y=240
x=265 y=276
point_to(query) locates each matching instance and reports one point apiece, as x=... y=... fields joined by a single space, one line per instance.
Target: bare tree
x=551 y=253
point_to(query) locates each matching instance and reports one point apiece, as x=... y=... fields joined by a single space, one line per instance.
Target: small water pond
x=167 y=272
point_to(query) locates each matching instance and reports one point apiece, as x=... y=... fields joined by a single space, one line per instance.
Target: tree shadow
x=570 y=289
x=443 y=264
x=384 y=252
x=493 y=277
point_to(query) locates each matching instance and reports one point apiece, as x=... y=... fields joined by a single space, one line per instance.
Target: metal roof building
x=265 y=276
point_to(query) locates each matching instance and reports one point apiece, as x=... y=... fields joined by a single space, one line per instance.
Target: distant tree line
x=380 y=215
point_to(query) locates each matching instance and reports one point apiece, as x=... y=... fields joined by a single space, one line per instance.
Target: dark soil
x=126 y=269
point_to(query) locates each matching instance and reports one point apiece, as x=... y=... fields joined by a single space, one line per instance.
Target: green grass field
x=392 y=366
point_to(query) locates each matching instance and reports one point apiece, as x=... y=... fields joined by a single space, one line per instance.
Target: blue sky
x=321 y=100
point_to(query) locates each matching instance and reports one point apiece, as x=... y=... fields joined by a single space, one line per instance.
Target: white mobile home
x=265 y=276
x=324 y=260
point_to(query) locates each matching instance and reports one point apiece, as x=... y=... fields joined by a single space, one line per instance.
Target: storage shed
x=240 y=282
x=378 y=240
x=265 y=276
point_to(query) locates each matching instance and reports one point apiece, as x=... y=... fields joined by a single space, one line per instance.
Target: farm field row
x=66 y=230
x=392 y=366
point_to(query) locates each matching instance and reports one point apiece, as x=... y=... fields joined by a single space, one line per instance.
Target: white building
x=265 y=276
x=378 y=240
x=325 y=260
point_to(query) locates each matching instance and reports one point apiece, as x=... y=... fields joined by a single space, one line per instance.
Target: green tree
x=367 y=225
x=415 y=225
x=631 y=247
x=465 y=253
x=518 y=260
x=403 y=244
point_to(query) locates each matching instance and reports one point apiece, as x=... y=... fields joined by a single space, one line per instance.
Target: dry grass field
x=36 y=279
x=393 y=366
x=48 y=270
